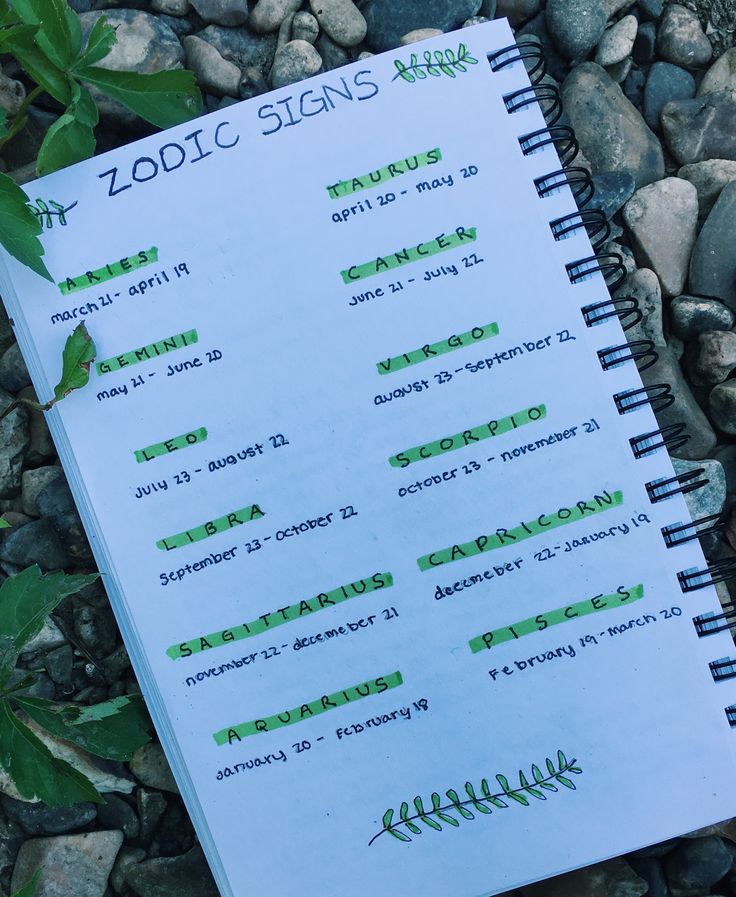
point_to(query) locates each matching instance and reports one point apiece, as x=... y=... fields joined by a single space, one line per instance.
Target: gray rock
x=633 y=87
x=709 y=178
x=14 y=440
x=617 y=41
x=59 y=664
x=222 y=12
x=475 y=20
x=693 y=315
x=187 y=874
x=38 y=819
x=73 y=865
x=14 y=375
x=294 y=62
x=612 y=134
x=34 y=543
x=703 y=502
x=650 y=10
x=331 y=54
x=713 y=262
x=722 y=407
x=56 y=505
x=662 y=219
x=665 y=83
x=650 y=868
x=726 y=457
x=697 y=863
x=268 y=15
x=41 y=447
x=681 y=40
x=126 y=859
x=518 y=11
x=655 y=850
x=414 y=37
x=179 y=25
x=620 y=70
x=239 y=46
x=151 y=806
x=305 y=27
x=150 y=767
x=721 y=75
x=614 y=878
x=684 y=409
x=171 y=7
x=536 y=29
x=213 y=72
x=33 y=482
x=95 y=628
x=643 y=285
x=701 y=128
x=643 y=51
x=612 y=190
x=341 y=20
x=388 y=21
x=576 y=26
x=12 y=94
x=716 y=357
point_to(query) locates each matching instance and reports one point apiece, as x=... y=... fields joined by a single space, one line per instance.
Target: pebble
x=643 y=285
x=14 y=375
x=684 y=409
x=304 y=26
x=73 y=865
x=294 y=61
x=59 y=664
x=33 y=482
x=222 y=12
x=617 y=41
x=163 y=876
x=662 y=219
x=614 y=878
x=38 y=819
x=612 y=190
x=341 y=20
x=643 y=50
x=56 y=506
x=702 y=502
x=126 y=859
x=267 y=15
x=34 y=543
x=536 y=29
x=475 y=20
x=151 y=806
x=12 y=94
x=171 y=7
x=240 y=46
x=577 y=26
x=650 y=868
x=95 y=628
x=387 y=21
x=14 y=439
x=700 y=862
x=701 y=128
x=716 y=357
x=518 y=11
x=419 y=34
x=713 y=262
x=213 y=72
x=634 y=87
x=41 y=447
x=150 y=767
x=709 y=178
x=611 y=132
x=650 y=10
x=666 y=82
x=693 y=315
x=721 y=75
x=332 y=55
x=681 y=40
x=722 y=407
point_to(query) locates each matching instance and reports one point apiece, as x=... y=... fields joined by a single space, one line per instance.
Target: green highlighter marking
x=564 y=614
x=381 y=175
x=146 y=353
x=170 y=445
x=309 y=709
x=469 y=437
x=109 y=271
x=503 y=537
x=462 y=236
x=211 y=528
x=432 y=350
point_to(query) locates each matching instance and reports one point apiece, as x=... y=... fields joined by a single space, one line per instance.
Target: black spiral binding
x=642 y=352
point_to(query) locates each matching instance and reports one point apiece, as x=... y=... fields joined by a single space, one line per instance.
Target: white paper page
x=300 y=426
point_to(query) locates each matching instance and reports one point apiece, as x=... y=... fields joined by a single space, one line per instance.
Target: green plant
x=439 y=63
x=481 y=800
x=46 y=39
x=30 y=887
x=113 y=729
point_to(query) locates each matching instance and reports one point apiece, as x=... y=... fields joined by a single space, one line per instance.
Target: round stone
x=294 y=61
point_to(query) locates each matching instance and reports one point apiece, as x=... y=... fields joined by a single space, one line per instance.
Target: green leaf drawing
x=19 y=227
x=441 y=62
x=481 y=800
x=49 y=211
x=79 y=353
x=30 y=888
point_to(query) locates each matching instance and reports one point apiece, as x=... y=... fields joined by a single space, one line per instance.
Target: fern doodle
x=435 y=64
x=47 y=211
x=481 y=800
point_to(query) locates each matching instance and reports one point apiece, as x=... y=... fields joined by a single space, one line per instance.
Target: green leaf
x=19 y=227
x=114 y=729
x=387 y=817
x=550 y=767
x=4 y=523
x=537 y=773
x=450 y=820
x=403 y=71
x=59 y=34
x=503 y=782
x=432 y=823
x=20 y=41
x=561 y=760
x=30 y=887
x=71 y=137
x=436 y=800
x=26 y=599
x=566 y=782
x=413 y=828
x=101 y=40
x=37 y=774
x=519 y=798
x=400 y=836
x=79 y=353
x=404 y=810
x=164 y=99
x=3 y=123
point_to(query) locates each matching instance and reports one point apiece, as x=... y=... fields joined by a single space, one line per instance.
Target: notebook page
x=368 y=516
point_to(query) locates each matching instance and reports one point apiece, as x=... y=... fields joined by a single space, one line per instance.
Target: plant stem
x=20 y=117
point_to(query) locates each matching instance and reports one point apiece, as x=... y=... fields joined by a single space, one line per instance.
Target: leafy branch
x=439 y=63
x=481 y=800
x=46 y=211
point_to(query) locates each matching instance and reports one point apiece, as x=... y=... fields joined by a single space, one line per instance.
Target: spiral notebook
x=380 y=502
